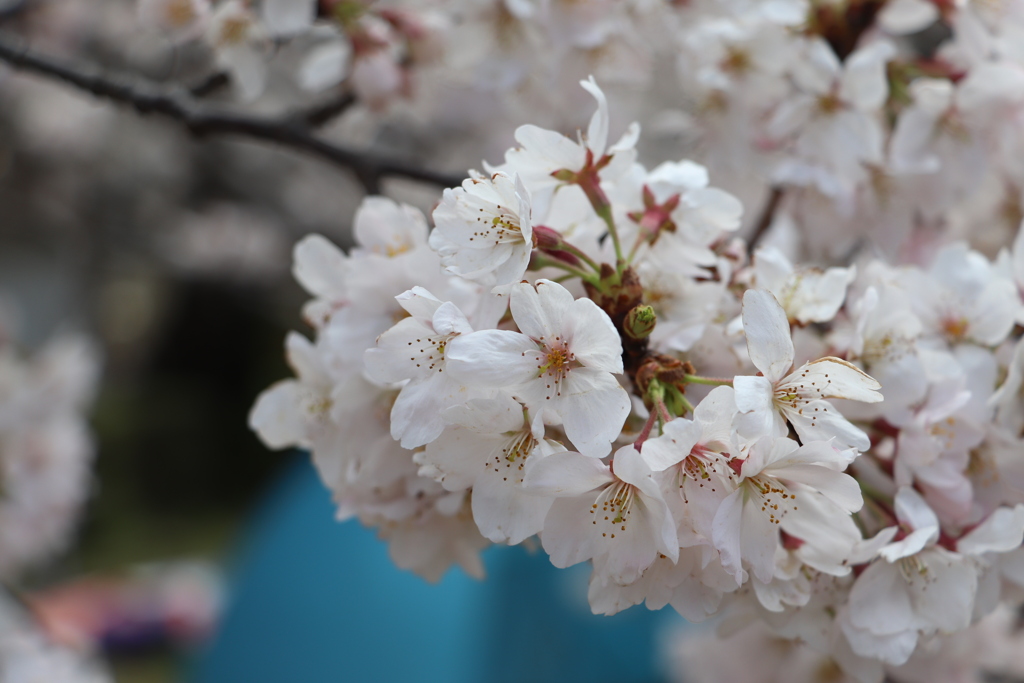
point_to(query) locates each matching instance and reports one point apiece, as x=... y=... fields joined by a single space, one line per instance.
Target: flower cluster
x=27 y=656
x=46 y=448
x=46 y=453
x=878 y=120
x=582 y=350
x=374 y=50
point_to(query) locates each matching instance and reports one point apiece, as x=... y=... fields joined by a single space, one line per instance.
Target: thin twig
x=177 y=104
x=210 y=84
x=767 y=214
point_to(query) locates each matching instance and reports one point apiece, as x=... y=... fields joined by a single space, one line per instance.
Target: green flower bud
x=639 y=322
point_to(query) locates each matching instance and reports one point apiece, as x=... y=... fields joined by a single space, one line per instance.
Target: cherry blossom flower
x=45 y=448
x=917 y=588
x=797 y=397
x=561 y=365
x=182 y=19
x=487 y=447
x=484 y=227
x=290 y=412
x=543 y=153
x=284 y=18
x=963 y=298
x=808 y=295
x=235 y=33
x=747 y=524
x=834 y=117
x=696 y=455
x=693 y=585
x=417 y=349
x=613 y=514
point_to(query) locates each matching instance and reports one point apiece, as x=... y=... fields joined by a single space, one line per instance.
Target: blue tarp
x=317 y=601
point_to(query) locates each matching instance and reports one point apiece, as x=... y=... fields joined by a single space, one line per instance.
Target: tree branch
x=322 y=113
x=12 y=8
x=179 y=104
x=764 y=221
x=209 y=85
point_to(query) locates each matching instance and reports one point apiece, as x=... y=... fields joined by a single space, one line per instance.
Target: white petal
x=907 y=16
x=448 y=319
x=755 y=399
x=864 y=83
x=487 y=415
x=715 y=415
x=305 y=359
x=593 y=338
x=841 y=489
x=767 y=330
x=288 y=17
x=565 y=474
x=772 y=269
x=559 y=152
x=894 y=648
x=677 y=439
x=277 y=415
x=492 y=358
x=632 y=468
x=879 y=601
x=505 y=512
x=319 y=266
x=679 y=175
x=387 y=227
x=914 y=543
x=324 y=66
x=945 y=600
x=597 y=131
x=726 y=534
x=832 y=377
x=819 y=68
x=419 y=303
x=594 y=408
x=1001 y=532
x=566 y=536
x=540 y=311
x=454 y=458
x=758 y=541
x=416 y=414
x=912 y=510
x=388 y=362
x=820 y=421
x=992 y=315
x=866 y=550
x=248 y=70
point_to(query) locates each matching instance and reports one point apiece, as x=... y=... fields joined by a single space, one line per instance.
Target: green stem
x=578 y=253
x=710 y=381
x=590 y=183
x=605 y=212
x=542 y=262
x=687 y=406
x=640 y=238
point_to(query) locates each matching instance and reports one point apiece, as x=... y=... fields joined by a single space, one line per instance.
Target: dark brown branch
x=13 y=9
x=764 y=221
x=209 y=85
x=200 y=119
x=322 y=113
